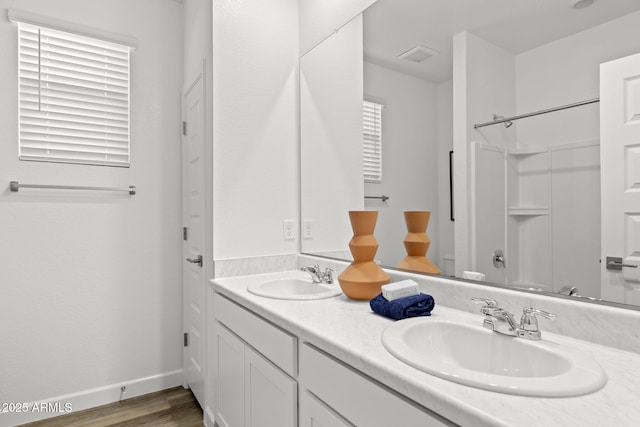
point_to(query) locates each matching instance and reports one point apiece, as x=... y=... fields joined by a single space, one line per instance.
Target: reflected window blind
x=73 y=98
x=372 y=141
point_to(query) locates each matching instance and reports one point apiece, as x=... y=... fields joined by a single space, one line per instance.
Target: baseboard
x=208 y=418
x=86 y=399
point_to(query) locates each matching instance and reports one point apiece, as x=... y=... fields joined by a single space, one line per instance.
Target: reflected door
x=620 y=182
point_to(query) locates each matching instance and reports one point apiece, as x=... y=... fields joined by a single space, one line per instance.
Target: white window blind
x=73 y=98
x=372 y=141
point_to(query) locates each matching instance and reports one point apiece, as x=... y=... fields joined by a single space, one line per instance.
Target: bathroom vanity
x=322 y=362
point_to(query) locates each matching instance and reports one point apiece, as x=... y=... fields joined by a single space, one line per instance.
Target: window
x=372 y=141
x=73 y=98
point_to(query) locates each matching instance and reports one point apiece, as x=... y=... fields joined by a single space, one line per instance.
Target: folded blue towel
x=412 y=306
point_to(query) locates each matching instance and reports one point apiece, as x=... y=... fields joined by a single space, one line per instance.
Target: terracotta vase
x=362 y=279
x=417 y=243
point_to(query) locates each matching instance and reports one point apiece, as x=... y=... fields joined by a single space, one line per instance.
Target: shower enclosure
x=539 y=206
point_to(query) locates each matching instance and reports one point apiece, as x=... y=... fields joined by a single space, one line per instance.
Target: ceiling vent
x=418 y=54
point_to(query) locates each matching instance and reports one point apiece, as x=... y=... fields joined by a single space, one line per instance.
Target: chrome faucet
x=319 y=276
x=568 y=290
x=572 y=291
x=500 y=320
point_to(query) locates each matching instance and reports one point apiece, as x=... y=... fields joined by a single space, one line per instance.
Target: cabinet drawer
x=357 y=398
x=314 y=413
x=275 y=344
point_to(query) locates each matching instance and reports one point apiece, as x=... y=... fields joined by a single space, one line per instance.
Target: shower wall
x=575 y=200
x=489 y=205
x=542 y=208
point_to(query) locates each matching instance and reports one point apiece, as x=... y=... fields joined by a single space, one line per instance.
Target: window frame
x=372 y=141
x=74 y=94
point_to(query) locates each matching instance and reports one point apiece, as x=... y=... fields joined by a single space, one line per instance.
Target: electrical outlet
x=287 y=229
x=307 y=229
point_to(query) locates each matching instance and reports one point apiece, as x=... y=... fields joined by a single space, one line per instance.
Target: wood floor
x=175 y=407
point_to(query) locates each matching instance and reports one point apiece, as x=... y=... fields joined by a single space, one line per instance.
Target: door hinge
x=185 y=233
x=184 y=128
x=186 y=339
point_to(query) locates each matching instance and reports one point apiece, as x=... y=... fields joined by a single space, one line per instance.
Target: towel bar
x=15 y=186
x=383 y=197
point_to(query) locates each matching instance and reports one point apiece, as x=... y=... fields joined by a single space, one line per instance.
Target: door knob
x=196 y=260
x=615 y=263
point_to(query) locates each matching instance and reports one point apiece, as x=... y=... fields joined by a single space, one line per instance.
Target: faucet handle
x=530 y=311
x=488 y=302
x=327 y=276
x=529 y=323
x=489 y=307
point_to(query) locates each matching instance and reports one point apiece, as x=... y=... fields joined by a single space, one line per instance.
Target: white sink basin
x=294 y=287
x=482 y=358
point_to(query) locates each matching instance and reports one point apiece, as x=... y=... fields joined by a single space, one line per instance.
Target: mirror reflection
x=526 y=192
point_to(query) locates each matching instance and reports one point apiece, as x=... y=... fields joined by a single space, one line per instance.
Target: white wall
x=198 y=37
x=91 y=282
x=320 y=18
x=567 y=71
x=331 y=138
x=255 y=130
x=410 y=159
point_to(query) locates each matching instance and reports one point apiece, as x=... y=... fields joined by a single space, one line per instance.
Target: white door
x=193 y=248
x=620 y=178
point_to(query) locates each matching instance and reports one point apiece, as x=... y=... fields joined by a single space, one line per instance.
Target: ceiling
x=391 y=27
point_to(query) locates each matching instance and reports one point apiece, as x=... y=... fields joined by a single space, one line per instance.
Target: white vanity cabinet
x=335 y=395
x=256 y=367
x=268 y=377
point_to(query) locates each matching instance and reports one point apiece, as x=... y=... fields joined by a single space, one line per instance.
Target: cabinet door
x=314 y=413
x=230 y=387
x=270 y=394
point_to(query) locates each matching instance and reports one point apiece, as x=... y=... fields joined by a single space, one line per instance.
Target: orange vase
x=362 y=279
x=417 y=243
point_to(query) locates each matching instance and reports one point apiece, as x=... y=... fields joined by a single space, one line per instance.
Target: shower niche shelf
x=526 y=151
x=527 y=211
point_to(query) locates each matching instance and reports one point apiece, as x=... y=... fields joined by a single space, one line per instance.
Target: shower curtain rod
x=537 y=113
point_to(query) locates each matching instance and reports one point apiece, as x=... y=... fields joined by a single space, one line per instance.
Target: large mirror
x=446 y=73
